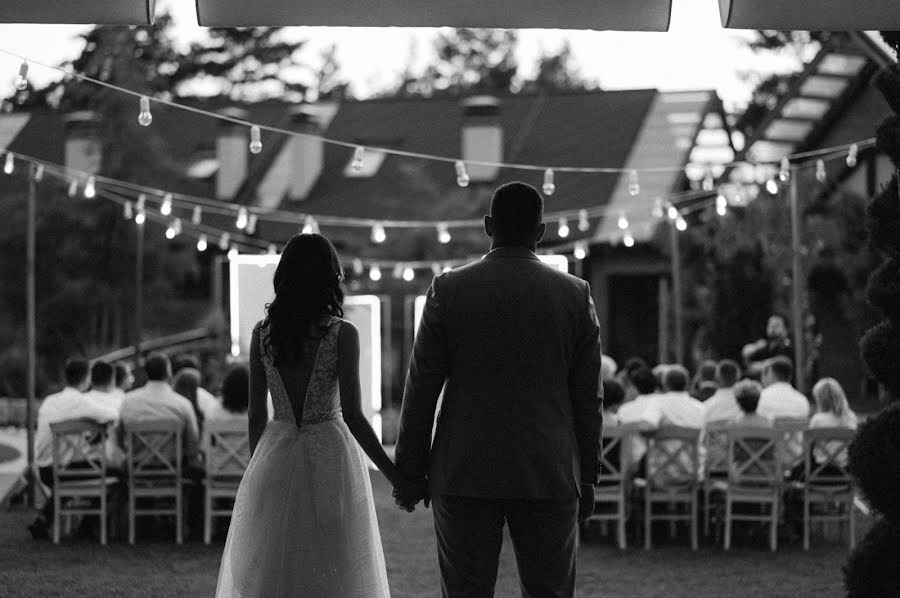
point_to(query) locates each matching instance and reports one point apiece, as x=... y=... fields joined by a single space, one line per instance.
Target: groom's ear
x=489 y=226
x=540 y=232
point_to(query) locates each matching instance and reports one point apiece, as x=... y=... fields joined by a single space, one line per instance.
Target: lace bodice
x=322 y=401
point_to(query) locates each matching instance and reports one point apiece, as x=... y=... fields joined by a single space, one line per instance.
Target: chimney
x=84 y=151
x=481 y=136
x=231 y=152
x=307 y=154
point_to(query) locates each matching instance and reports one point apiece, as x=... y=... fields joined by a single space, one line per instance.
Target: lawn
x=162 y=569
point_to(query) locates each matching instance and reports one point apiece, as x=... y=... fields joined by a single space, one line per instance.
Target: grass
x=162 y=569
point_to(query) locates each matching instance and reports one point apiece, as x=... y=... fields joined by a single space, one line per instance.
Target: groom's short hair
x=517 y=209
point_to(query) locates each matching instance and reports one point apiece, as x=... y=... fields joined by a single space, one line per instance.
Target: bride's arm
x=258 y=407
x=351 y=402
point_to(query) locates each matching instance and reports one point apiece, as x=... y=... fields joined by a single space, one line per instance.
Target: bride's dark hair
x=307 y=286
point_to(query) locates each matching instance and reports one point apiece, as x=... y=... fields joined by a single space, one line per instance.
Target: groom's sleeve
x=585 y=391
x=427 y=373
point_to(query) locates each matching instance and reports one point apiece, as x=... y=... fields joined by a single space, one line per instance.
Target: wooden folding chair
x=612 y=481
x=792 y=447
x=227 y=457
x=79 y=472
x=715 y=467
x=828 y=483
x=754 y=477
x=153 y=457
x=672 y=478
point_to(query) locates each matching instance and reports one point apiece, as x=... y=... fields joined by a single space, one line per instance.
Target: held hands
x=408 y=492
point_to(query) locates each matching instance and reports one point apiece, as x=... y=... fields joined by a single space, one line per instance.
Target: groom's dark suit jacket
x=517 y=344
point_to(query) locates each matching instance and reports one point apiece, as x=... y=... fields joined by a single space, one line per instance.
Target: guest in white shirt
x=124 y=378
x=780 y=399
x=206 y=401
x=832 y=411
x=103 y=387
x=68 y=404
x=720 y=408
x=632 y=412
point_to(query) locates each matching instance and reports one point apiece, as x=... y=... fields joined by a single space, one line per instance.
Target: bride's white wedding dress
x=304 y=520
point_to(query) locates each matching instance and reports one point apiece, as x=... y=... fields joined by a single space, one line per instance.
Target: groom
x=515 y=345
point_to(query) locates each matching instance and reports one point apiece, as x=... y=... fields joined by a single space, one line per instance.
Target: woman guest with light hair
x=832 y=411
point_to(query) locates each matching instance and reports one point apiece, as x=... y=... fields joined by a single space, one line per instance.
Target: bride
x=304 y=520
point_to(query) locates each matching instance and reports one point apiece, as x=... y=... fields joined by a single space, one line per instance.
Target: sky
x=696 y=52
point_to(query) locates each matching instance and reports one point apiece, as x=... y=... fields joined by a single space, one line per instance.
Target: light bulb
x=165 y=207
x=721 y=205
x=359 y=156
x=233 y=253
x=772 y=186
x=241 y=222
x=272 y=250
x=202 y=243
x=436 y=269
x=408 y=274
x=90 y=188
x=634 y=185
x=224 y=241
x=623 y=221
x=852 y=156
x=549 y=187
x=681 y=224
x=583 y=222
x=127 y=211
x=357 y=266
x=197 y=215
x=446 y=269
x=73 y=188
x=658 y=208
x=309 y=226
x=375 y=273
x=462 y=177
x=563 y=230
x=443 y=234
x=398 y=271
x=708 y=182
x=22 y=79
x=672 y=212
x=255 y=140
x=251 y=224
x=170 y=232
x=145 y=118
x=10 y=164
x=378 y=234
x=140 y=217
x=821 y=173
x=580 y=251
x=628 y=240
x=39 y=173
x=784 y=174
x=176 y=225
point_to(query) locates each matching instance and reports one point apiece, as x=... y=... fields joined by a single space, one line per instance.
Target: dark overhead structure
x=78 y=12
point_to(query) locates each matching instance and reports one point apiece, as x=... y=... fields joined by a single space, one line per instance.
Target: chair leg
x=727 y=523
x=647 y=521
x=178 y=515
x=131 y=516
x=773 y=529
x=706 y=510
x=806 y=521
x=852 y=516
x=103 y=518
x=207 y=517
x=694 y=539
x=57 y=503
x=621 y=523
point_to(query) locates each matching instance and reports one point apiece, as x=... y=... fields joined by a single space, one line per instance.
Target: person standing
x=517 y=344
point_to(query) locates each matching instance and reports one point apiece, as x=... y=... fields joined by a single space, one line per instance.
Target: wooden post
x=677 y=296
x=31 y=329
x=138 y=291
x=796 y=285
x=663 y=331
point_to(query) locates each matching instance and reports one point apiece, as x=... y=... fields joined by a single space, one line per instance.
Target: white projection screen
x=250 y=282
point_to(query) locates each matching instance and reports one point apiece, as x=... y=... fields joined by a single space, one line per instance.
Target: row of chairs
x=751 y=472
x=153 y=472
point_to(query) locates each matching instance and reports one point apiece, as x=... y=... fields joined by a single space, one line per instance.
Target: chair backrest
x=715 y=441
x=78 y=449
x=672 y=456
x=831 y=443
x=754 y=456
x=228 y=448
x=153 y=448
x=614 y=453
x=790 y=424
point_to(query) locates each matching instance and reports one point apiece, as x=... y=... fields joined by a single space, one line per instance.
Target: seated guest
x=235 y=396
x=608 y=367
x=747 y=393
x=723 y=406
x=206 y=401
x=187 y=383
x=157 y=400
x=624 y=376
x=832 y=411
x=704 y=385
x=780 y=399
x=68 y=404
x=613 y=397
x=103 y=385
x=630 y=412
x=124 y=378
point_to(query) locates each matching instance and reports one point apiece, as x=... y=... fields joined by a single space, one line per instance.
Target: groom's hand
x=410 y=492
x=586 y=503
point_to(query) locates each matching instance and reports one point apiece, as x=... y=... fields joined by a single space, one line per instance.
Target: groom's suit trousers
x=470 y=533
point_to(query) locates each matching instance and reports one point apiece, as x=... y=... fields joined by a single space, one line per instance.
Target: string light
x=202 y=243
x=721 y=205
x=174 y=229
x=563 y=230
x=73 y=188
x=852 y=156
x=197 y=215
x=141 y=202
x=39 y=173
x=784 y=174
x=821 y=173
x=251 y=224
x=357 y=266
x=22 y=79
x=375 y=273
x=398 y=271
x=10 y=164
x=127 y=211
x=623 y=221
x=144 y=117
x=681 y=224
x=224 y=241
x=309 y=226
x=272 y=250
x=462 y=177
x=772 y=186
x=445 y=269
x=408 y=274
x=583 y=223
x=628 y=240
x=359 y=157
x=90 y=188
x=634 y=185
x=658 y=208
x=436 y=269
x=672 y=212
x=580 y=250
x=708 y=182
x=549 y=187
x=140 y=217
x=443 y=234
x=241 y=222
x=165 y=207
x=378 y=234
x=232 y=253
x=255 y=140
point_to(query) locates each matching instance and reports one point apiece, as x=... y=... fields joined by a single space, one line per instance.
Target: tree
x=558 y=72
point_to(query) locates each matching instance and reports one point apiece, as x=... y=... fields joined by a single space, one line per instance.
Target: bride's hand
x=408 y=493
